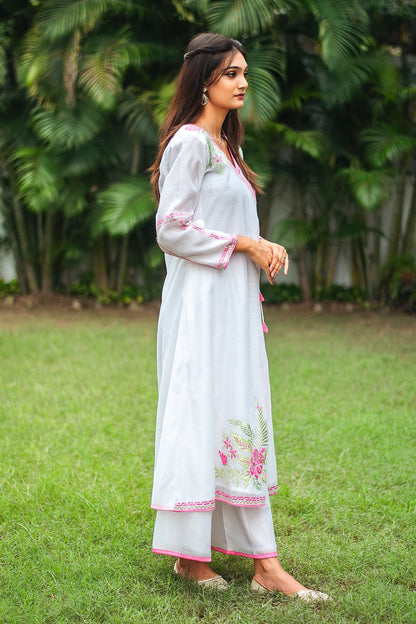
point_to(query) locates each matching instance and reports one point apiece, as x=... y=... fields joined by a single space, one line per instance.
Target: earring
x=204 y=100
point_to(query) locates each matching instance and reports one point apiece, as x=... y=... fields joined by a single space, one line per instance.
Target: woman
x=215 y=459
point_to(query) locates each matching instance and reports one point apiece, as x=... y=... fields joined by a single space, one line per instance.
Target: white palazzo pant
x=246 y=531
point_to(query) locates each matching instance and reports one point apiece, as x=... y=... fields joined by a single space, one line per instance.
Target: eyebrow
x=235 y=67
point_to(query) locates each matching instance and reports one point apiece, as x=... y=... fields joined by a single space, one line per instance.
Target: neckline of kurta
x=234 y=165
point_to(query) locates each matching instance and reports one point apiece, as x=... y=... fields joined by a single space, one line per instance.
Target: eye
x=230 y=74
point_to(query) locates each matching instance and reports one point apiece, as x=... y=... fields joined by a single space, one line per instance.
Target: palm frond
x=263 y=93
x=59 y=18
x=257 y=155
x=72 y=199
x=267 y=55
x=164 y=97
x=4 y=44
x=406 y=94
x=386 y=144
x=40 y=67
x=262 y=98
x=352 y=230
x=298 y=96
x=101 y=72
x=369 y=188
x=126 y=204
x=342 y=29
x=311 y=142
x=295 y=233
x=39 y=177
x=68 y=128
x=191 y=10
x=340 y=86
x=88 y=157
x=234 y=17
x=138 y=109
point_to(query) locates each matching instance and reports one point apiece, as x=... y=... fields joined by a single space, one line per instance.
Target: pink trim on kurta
x=224 y=497
x=183 y=220
x=227 y=253
x=193 y=128
x=234 y=165
x=176 y=554
x=241 y=176
x=241 y=554
x=189 y=506
x=240 y=501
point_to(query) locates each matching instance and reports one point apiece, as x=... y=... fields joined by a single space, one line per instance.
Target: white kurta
x=214 y=438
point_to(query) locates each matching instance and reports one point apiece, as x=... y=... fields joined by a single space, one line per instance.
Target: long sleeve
x=184 y=164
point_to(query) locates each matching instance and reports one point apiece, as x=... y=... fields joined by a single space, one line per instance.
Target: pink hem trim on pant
x=240 y=554
x=176 y=554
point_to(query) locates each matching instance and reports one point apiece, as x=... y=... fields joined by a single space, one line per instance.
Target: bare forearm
x=268 y=256
x=244 y=244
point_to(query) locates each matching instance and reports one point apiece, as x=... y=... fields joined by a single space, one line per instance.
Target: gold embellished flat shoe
x=307 y=595
x=216 y=582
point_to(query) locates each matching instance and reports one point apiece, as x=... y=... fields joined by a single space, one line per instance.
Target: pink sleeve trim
x=227 y=253
x=182 y=218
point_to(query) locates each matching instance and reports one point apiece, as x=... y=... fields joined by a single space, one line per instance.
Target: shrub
x=345 y=294
x=8 y=289
x=283 y=293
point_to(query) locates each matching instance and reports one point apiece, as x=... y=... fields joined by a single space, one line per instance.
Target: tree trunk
x=376 y=260
x=122 y=266
x=26 y=264
x=301 y=262
x=100 y=265
x=396 y=223
x=265 y=207
x=409 y=243
x=47 y=254
x=332 y=265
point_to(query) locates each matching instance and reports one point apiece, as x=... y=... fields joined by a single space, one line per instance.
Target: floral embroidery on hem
x=244 y=454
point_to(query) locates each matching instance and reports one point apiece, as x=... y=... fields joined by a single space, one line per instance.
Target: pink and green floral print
x=244 y=452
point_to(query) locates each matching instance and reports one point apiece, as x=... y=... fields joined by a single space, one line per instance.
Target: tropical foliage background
x=330 y=119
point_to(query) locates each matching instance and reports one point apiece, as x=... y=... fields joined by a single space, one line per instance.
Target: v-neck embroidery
x=232 y=163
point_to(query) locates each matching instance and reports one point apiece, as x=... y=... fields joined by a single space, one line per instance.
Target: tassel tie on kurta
x=265 y=328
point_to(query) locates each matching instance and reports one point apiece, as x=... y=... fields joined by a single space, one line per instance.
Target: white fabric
x=233 y=530
x=214 y=438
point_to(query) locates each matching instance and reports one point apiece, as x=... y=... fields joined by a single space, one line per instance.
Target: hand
x=280 y=258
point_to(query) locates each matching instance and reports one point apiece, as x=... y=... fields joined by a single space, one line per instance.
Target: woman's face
x=227 y=92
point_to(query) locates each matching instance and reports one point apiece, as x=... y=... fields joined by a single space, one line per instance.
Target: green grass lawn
x=78 y=402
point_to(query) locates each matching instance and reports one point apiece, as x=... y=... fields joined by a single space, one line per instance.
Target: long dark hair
x=203 y=60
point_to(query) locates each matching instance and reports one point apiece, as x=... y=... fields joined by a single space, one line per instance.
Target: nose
x=243 y=83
